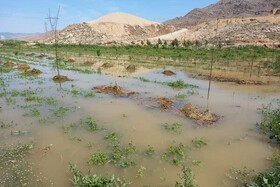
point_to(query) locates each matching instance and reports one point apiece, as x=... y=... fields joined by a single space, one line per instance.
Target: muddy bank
x=33 y=72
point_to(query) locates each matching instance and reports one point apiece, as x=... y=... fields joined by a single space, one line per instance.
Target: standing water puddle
x=71 y=123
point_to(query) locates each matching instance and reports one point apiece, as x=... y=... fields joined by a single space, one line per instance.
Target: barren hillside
x=112 y=28
x=226 y=9
x=251 y=30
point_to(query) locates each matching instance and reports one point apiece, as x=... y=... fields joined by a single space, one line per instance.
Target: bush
x=271 y=121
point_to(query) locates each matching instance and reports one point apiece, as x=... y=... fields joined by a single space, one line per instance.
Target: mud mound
x=88 y=63
x=33 y=72
x=116 y=90
x=131 y=68
x=9 y=64
x=168 y=73
x=61 y=78
x=107 y=65
x=23 y=67
x=71 y=60
x=201 y=117
x=165 y=103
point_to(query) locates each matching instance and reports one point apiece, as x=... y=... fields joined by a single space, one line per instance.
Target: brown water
x=232 y=142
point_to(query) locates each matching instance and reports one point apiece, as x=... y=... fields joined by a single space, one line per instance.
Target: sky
x=28 y=16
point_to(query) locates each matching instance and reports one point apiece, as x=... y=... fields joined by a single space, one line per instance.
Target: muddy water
x=232 y=142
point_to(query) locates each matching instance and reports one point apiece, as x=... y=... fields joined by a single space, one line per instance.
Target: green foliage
x=175 y=154
x=180 y=84
x=270 y=123
x=175 y=43
x=150 y=151
x=91 y=124
x=81 y=180
x=198 y=143
x=174 y=128
x=187 y=178
x=98 y=52
x=99 y=158
x=60 y=112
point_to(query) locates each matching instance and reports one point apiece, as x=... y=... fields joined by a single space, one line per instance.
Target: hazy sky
x=28 y=15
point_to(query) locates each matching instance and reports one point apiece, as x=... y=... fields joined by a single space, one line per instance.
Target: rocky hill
x=112 y=28
x=264 y=30
x=226 y=9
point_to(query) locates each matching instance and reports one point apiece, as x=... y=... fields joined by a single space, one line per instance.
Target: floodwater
x=234 y=141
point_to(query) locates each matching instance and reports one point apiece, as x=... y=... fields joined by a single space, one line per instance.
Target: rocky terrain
x=112 y=28
x=226 y=9
x=263 y=30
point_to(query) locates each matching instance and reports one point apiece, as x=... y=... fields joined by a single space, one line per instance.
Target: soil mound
x=107 y=65
x=33 y=72
x=168 y=73
x=116 y=90
x=61 y=78
x=9 y=64
x=131 y=68
x=201 y=117
x=165 y=103
x=23 y=67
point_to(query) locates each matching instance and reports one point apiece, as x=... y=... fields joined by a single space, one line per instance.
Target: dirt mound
x=201 y=117
x=9 y=64
x=235 y=80
x=23 y=67
x=116 y=90
x=107 y=65
x=33 y=72
x=61 y=78
x=88 y=63
x=168 y=73
x=131 y=68
x=165 y=103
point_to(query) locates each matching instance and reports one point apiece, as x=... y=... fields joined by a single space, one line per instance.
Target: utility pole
x=53 y=24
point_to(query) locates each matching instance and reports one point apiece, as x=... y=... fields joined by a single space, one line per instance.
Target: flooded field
x=136 y=131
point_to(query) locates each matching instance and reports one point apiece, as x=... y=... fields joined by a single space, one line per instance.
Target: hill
x=226 y=9
x=112 y=28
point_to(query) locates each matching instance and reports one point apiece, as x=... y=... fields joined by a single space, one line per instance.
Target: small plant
x=113 y=136
x=150 y=151
x=140 y=172
x=174 y=128
x=198 y=143
x=175 y=154
x=187 y=178
x=131 y=148
x=61 y=111
x=128 y=163
x=91 y=124
x=99 y=158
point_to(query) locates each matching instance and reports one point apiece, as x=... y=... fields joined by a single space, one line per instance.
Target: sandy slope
x=122 y=18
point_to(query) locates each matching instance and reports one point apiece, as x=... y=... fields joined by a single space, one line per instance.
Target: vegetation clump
x=187 y=178
x=198 y=143
x=81 y=180
x=270 y=123
x=99 y=158
x=175 y=154
x=180 y=84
